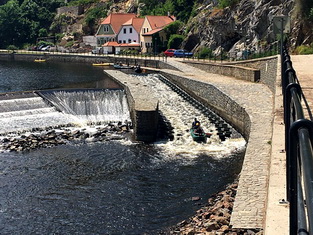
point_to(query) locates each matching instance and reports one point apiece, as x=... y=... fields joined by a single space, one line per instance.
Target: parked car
x=182 y=53
x=46 y=48
x=169 y=52
x=97 y=50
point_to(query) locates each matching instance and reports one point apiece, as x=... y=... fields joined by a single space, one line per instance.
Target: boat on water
x=198 y=136
x=119 y=66
x=101 y=64
x=39 y=60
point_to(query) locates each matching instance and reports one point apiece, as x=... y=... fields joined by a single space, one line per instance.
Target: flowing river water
x=111 y=187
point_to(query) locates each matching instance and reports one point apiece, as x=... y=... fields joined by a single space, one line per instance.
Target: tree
x=175 y=41
x=173 y=28
x=11 y=24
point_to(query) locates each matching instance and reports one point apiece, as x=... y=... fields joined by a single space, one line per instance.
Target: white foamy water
x=78 y=108
x=181 y=115
x=92 y=105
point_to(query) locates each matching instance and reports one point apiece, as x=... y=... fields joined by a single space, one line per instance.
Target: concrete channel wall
x=218 y=101
x=143 y=107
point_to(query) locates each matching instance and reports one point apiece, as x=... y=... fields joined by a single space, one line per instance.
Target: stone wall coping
x=144 y=100
x=222 y=65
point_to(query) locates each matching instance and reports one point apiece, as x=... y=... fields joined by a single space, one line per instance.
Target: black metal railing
x=299 y=152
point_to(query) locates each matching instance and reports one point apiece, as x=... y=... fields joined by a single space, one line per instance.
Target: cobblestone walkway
x=257 y=99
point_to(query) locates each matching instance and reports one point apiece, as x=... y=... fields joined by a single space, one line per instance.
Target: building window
x=119 y=41
x=130 y=30
x=124 y=41
x=124 y=31
x=144 y=30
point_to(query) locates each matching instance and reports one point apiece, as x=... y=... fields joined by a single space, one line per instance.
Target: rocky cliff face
x=246 y=25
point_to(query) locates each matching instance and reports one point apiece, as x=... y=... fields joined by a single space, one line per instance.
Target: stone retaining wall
x=244 y=73
x=267 y=67
x=218 y=101
x=263 y=70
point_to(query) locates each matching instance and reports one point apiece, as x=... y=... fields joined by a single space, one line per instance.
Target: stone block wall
x=267 y=67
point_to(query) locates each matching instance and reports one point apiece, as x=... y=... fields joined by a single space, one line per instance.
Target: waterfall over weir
x=21 y=112
x=90 y=105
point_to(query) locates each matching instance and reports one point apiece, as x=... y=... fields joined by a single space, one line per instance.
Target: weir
x=90 y=105
x=45 y=109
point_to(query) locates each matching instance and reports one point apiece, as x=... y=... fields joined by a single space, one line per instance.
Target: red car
x=169 y=52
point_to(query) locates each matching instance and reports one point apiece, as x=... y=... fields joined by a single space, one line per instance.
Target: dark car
x=182 y=53
x=169 y=52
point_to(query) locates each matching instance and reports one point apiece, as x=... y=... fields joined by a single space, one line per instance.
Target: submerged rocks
x=214 y=218
x=50 y=138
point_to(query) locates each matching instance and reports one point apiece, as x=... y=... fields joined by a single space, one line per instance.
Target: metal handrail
x=299 y=152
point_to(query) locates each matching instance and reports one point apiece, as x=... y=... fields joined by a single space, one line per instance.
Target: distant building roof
x=136 y=23
x=159 y=21
x=117 y=20
x=152 y=32
x=115 y=44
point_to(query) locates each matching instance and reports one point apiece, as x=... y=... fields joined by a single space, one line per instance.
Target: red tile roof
x=136 y=23
x=115 y=44
x=110 y=44
x=159 y=21
x=152 y=32
x=117 y=19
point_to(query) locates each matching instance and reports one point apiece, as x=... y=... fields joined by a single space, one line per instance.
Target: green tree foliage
x=182 y=9
x=227 y=3
x=94 y=14
x=173 y=28
x=205 y=53
x=175 y=41
x=82 y=2
x=21 y=21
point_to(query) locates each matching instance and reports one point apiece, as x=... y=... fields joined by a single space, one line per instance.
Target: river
x=111 y=187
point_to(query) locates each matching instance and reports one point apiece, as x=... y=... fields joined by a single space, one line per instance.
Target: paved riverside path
x=256 y=98
x=303 y=66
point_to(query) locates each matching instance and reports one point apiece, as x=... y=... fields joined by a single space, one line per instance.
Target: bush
x=304 y=50
x=205 y=53
x=175 y=41
x=12 y=47
x=44 y=43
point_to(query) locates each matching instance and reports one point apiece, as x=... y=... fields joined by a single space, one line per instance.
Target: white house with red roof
x=152 y=34
x=110 y=27
x=130 y=31
x=120 y=31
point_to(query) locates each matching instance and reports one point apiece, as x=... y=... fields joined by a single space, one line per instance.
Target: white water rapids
x=181 y=115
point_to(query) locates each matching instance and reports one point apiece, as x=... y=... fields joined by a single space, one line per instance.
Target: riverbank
x=214 y=217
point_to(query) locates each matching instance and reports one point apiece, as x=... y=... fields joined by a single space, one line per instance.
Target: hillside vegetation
x=209 y=25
